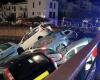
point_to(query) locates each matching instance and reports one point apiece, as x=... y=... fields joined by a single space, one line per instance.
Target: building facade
x=43 y=8
x=32 y=8
x=17 y=10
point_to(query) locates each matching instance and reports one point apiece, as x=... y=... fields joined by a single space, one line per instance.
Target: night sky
x=13 y=1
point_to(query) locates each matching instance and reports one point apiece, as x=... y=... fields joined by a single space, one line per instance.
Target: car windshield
x=30 y=68
x=4 y=46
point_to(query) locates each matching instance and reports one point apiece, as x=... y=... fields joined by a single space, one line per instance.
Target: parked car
x=28 y=67
x=65 y=53
x=8 y=50
x=34 y=35
x=54 y=41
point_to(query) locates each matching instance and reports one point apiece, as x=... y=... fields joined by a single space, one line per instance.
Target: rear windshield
x=30 y=68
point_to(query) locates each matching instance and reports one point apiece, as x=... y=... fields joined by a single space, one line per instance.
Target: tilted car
x=34 y=35
x=31 y=66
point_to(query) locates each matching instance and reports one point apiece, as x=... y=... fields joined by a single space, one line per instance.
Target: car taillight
x=7 y=74
x=43 y=48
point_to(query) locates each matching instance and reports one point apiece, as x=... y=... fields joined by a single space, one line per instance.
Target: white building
x=8 y=9
x=43 y=8
x=32 y=8
x=17 y=10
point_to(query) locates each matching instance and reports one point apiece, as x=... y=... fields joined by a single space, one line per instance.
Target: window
x=50 y=14
x=9 y=8
x=50 y=4
x=14 y=8
x=54 y=5
x=33 y=4
x=33 y=13
x=21 y=8
x=39 y=3
x=53 y=14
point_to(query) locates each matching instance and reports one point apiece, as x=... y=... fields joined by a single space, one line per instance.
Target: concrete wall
x=12 y=33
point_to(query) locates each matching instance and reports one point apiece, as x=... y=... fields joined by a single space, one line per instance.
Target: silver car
x=68 y=52
x=54 y=41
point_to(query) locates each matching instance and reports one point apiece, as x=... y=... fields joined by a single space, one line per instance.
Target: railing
x=72 y=69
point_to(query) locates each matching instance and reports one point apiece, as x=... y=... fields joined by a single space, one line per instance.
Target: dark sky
x=13 y=1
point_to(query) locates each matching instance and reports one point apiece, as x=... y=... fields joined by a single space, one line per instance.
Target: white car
x=8 y=50
x=33 y=35
x=68 y=52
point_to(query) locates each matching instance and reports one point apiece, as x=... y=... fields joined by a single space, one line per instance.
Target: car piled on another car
x=65 y=53
x=34 y=35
